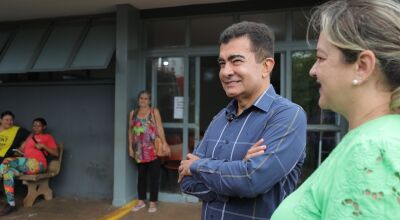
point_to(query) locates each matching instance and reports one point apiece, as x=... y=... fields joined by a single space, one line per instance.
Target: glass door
x=207 y=89
x=166 y=80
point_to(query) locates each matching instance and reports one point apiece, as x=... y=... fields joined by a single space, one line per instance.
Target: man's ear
x=268 y=65
x=366 y=64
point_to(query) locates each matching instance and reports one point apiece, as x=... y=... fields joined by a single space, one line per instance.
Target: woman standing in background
x=144 y=125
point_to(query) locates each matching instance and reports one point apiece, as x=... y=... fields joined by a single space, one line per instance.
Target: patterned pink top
x=143 y=135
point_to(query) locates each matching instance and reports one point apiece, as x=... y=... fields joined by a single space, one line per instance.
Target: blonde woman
x=358 y=71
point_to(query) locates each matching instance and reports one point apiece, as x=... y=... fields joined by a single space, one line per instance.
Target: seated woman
x=34 y=151
x=11 y=136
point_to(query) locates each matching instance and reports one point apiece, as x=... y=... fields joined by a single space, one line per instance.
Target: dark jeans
x=149 y=170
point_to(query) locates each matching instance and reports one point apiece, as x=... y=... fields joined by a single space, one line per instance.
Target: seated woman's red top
x=30 y=151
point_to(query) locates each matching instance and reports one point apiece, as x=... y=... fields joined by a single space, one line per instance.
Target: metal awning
x=57 y=46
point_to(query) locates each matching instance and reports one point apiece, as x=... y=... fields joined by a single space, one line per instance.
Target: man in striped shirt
x=250 y=157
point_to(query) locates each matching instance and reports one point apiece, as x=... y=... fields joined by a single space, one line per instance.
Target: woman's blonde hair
x=357 y=25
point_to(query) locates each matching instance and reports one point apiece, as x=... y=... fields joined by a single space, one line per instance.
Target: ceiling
x=12 y=10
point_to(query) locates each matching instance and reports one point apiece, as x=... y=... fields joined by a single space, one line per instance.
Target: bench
x=38 y=184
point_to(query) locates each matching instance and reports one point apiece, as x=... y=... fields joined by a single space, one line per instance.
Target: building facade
x=83 y=73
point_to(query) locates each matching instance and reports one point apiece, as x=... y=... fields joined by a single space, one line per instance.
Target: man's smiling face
x=241 y=75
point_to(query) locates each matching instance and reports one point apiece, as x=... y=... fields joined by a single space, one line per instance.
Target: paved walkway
x=61 y=209
x=168 y=211
x=85 y=209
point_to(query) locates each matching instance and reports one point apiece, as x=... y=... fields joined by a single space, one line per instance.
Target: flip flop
x=138 y=207
x=152 y=209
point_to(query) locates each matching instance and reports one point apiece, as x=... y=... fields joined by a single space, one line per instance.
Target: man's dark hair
x=260 y=35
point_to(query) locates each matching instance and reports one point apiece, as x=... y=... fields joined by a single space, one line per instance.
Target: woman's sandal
x=152 y=209
x=138 y=207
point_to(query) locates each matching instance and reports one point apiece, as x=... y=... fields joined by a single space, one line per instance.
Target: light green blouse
x=360 y=179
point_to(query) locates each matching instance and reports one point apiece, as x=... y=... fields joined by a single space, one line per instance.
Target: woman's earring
x=355 y=82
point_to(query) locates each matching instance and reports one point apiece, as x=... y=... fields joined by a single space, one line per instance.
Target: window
x=323 y=125
x=276 y=21
x=199 y=37
x=166 y=33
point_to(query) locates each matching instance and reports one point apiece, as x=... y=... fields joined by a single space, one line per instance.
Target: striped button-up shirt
x=232 y=188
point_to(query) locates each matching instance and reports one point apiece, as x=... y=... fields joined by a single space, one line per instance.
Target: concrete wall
x=81 y=116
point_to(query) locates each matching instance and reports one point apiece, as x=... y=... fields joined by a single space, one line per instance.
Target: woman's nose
x=313 y=71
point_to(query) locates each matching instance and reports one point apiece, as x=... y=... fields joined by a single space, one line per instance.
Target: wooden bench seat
x=38 y=184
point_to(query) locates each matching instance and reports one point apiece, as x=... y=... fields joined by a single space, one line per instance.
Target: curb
x=121 y=212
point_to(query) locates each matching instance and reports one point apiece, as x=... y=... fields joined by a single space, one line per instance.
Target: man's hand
x=255 y=150
x=184 y=168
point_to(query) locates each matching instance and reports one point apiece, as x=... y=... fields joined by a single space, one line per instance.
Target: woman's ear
x=366 y=64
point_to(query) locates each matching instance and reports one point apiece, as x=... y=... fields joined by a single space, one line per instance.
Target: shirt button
x=226 y=142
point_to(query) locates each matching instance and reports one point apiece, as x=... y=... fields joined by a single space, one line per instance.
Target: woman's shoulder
x=131 y=114
x=373 y=151
x=383 y=126
x=155 y=111
x=365 y=146
x=381 y=132
x=360 y=184
x=47 y=136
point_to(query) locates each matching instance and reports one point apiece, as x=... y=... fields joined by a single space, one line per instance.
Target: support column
x=129 y=80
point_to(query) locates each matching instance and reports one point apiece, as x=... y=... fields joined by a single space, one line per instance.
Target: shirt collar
x=263 y=102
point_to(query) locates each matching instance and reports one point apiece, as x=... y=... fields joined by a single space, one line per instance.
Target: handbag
x=162 y=149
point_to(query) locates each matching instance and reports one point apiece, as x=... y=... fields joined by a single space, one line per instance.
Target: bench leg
x=35 y=189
